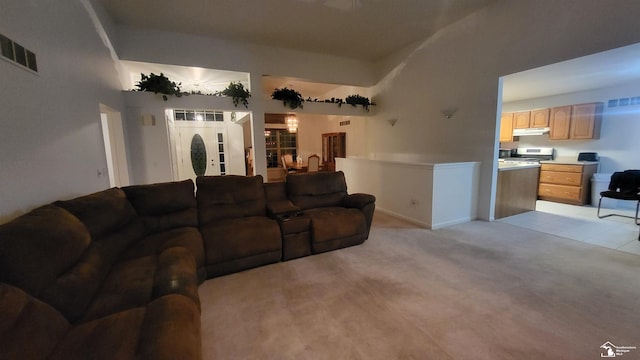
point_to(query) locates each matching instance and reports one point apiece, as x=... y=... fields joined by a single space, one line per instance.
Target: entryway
x=201 y=149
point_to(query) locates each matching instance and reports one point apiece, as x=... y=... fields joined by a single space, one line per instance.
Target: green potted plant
x=238 y=93
x=354 y=100
x=289 y=97
x=158 y=84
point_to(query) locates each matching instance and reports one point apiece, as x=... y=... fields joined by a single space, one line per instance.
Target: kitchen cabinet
x=506 y=127
x=566 y=183
x=539 y=118
x=521 y=119
x=576 y=122
x=585 y=121
x=516 y=191
x=559 y=123
x=333 y=145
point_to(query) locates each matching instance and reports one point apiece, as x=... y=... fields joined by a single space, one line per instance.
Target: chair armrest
x=358 y=200
x=282 y=209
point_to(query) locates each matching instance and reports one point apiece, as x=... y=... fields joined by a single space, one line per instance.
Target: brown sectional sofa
x=115 y=274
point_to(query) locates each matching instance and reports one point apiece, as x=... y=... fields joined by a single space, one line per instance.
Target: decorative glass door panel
x=201 y=150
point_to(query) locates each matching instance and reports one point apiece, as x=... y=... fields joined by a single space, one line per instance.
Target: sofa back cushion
x=92 y=210
x=229 y=197
x=39 y=253
x=114 y=226
x=165 y=206
x=314 y=190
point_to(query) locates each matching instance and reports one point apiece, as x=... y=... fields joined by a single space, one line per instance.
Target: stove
x=529 y=156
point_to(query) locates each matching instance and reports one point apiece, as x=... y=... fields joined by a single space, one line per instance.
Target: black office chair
x=624 y=185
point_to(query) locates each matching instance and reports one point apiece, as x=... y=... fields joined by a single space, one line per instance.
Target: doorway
x=201 y=149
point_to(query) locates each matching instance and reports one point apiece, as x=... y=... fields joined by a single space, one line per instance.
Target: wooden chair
x=313 y=163
x=285 y=167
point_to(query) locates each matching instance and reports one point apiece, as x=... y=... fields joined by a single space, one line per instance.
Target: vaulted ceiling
x=360 y=29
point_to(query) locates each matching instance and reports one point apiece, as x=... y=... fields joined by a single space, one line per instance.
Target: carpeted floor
x=478 y=290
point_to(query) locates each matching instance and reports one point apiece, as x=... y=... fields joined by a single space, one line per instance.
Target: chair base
x=637 y=221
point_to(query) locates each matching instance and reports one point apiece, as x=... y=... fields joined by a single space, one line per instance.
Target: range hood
x=530 y=131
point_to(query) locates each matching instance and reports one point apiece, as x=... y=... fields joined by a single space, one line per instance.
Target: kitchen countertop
x=502 y=166
x=568 y=162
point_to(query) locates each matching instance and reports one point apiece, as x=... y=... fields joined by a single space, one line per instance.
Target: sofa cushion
x=165 y=206
x=232 y=239
x=318 y=189
x=332 y=223
x=229 y=197
x=128 y=285
x=136 y=282
x=39 y=246
x=91 y=210
x=49 y=253
x=112 y=337
x=186 y=237
x=166 y=328
x=29 y=328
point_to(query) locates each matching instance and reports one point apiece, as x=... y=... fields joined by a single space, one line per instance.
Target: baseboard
x=404 y=217
x=451 y=223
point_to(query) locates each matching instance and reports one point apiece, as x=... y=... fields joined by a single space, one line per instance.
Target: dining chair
x=313 y=163
x=288 y=158
x=285 y=166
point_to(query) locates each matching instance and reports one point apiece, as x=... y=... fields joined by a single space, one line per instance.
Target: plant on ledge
x=289 y=97
x=158 y=84
x=238 y=93
x=354 y=100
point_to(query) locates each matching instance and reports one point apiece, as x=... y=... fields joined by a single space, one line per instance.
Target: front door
x=201 y=150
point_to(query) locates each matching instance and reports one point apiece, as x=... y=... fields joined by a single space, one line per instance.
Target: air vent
x=17 y=54
x=345 y=123
x=624 y=101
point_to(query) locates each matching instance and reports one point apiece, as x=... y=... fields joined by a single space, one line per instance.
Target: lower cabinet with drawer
x=566 y=183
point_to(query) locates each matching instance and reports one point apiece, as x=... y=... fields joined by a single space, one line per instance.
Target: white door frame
x=114 y=144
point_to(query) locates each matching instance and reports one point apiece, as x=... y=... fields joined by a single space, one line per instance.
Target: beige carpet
x=478 y=290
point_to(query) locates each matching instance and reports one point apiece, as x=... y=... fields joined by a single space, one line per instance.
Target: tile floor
x=581 y=223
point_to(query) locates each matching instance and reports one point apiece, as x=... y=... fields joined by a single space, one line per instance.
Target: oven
x=529 y=155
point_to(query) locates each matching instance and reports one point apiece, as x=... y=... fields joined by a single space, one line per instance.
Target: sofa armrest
x=282 y=209
x=358 y=200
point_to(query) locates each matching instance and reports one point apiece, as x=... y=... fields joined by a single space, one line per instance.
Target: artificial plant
x=289 y=97
x=354 y=100
x=238 y=93
x=158 y=84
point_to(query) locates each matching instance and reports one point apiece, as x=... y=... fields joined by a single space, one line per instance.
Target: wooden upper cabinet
x=577 y=122
x=506 y=127
x=539 y=118
x=585 y=121
x=559 y=123
x=521 y=119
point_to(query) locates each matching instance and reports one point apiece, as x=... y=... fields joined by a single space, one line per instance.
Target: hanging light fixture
x=292 y=124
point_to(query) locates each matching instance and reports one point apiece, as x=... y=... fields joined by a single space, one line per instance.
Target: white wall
x=310 y=130
x=51 y=144
x=431 y=195
x=618 y=146
x=459 y=67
